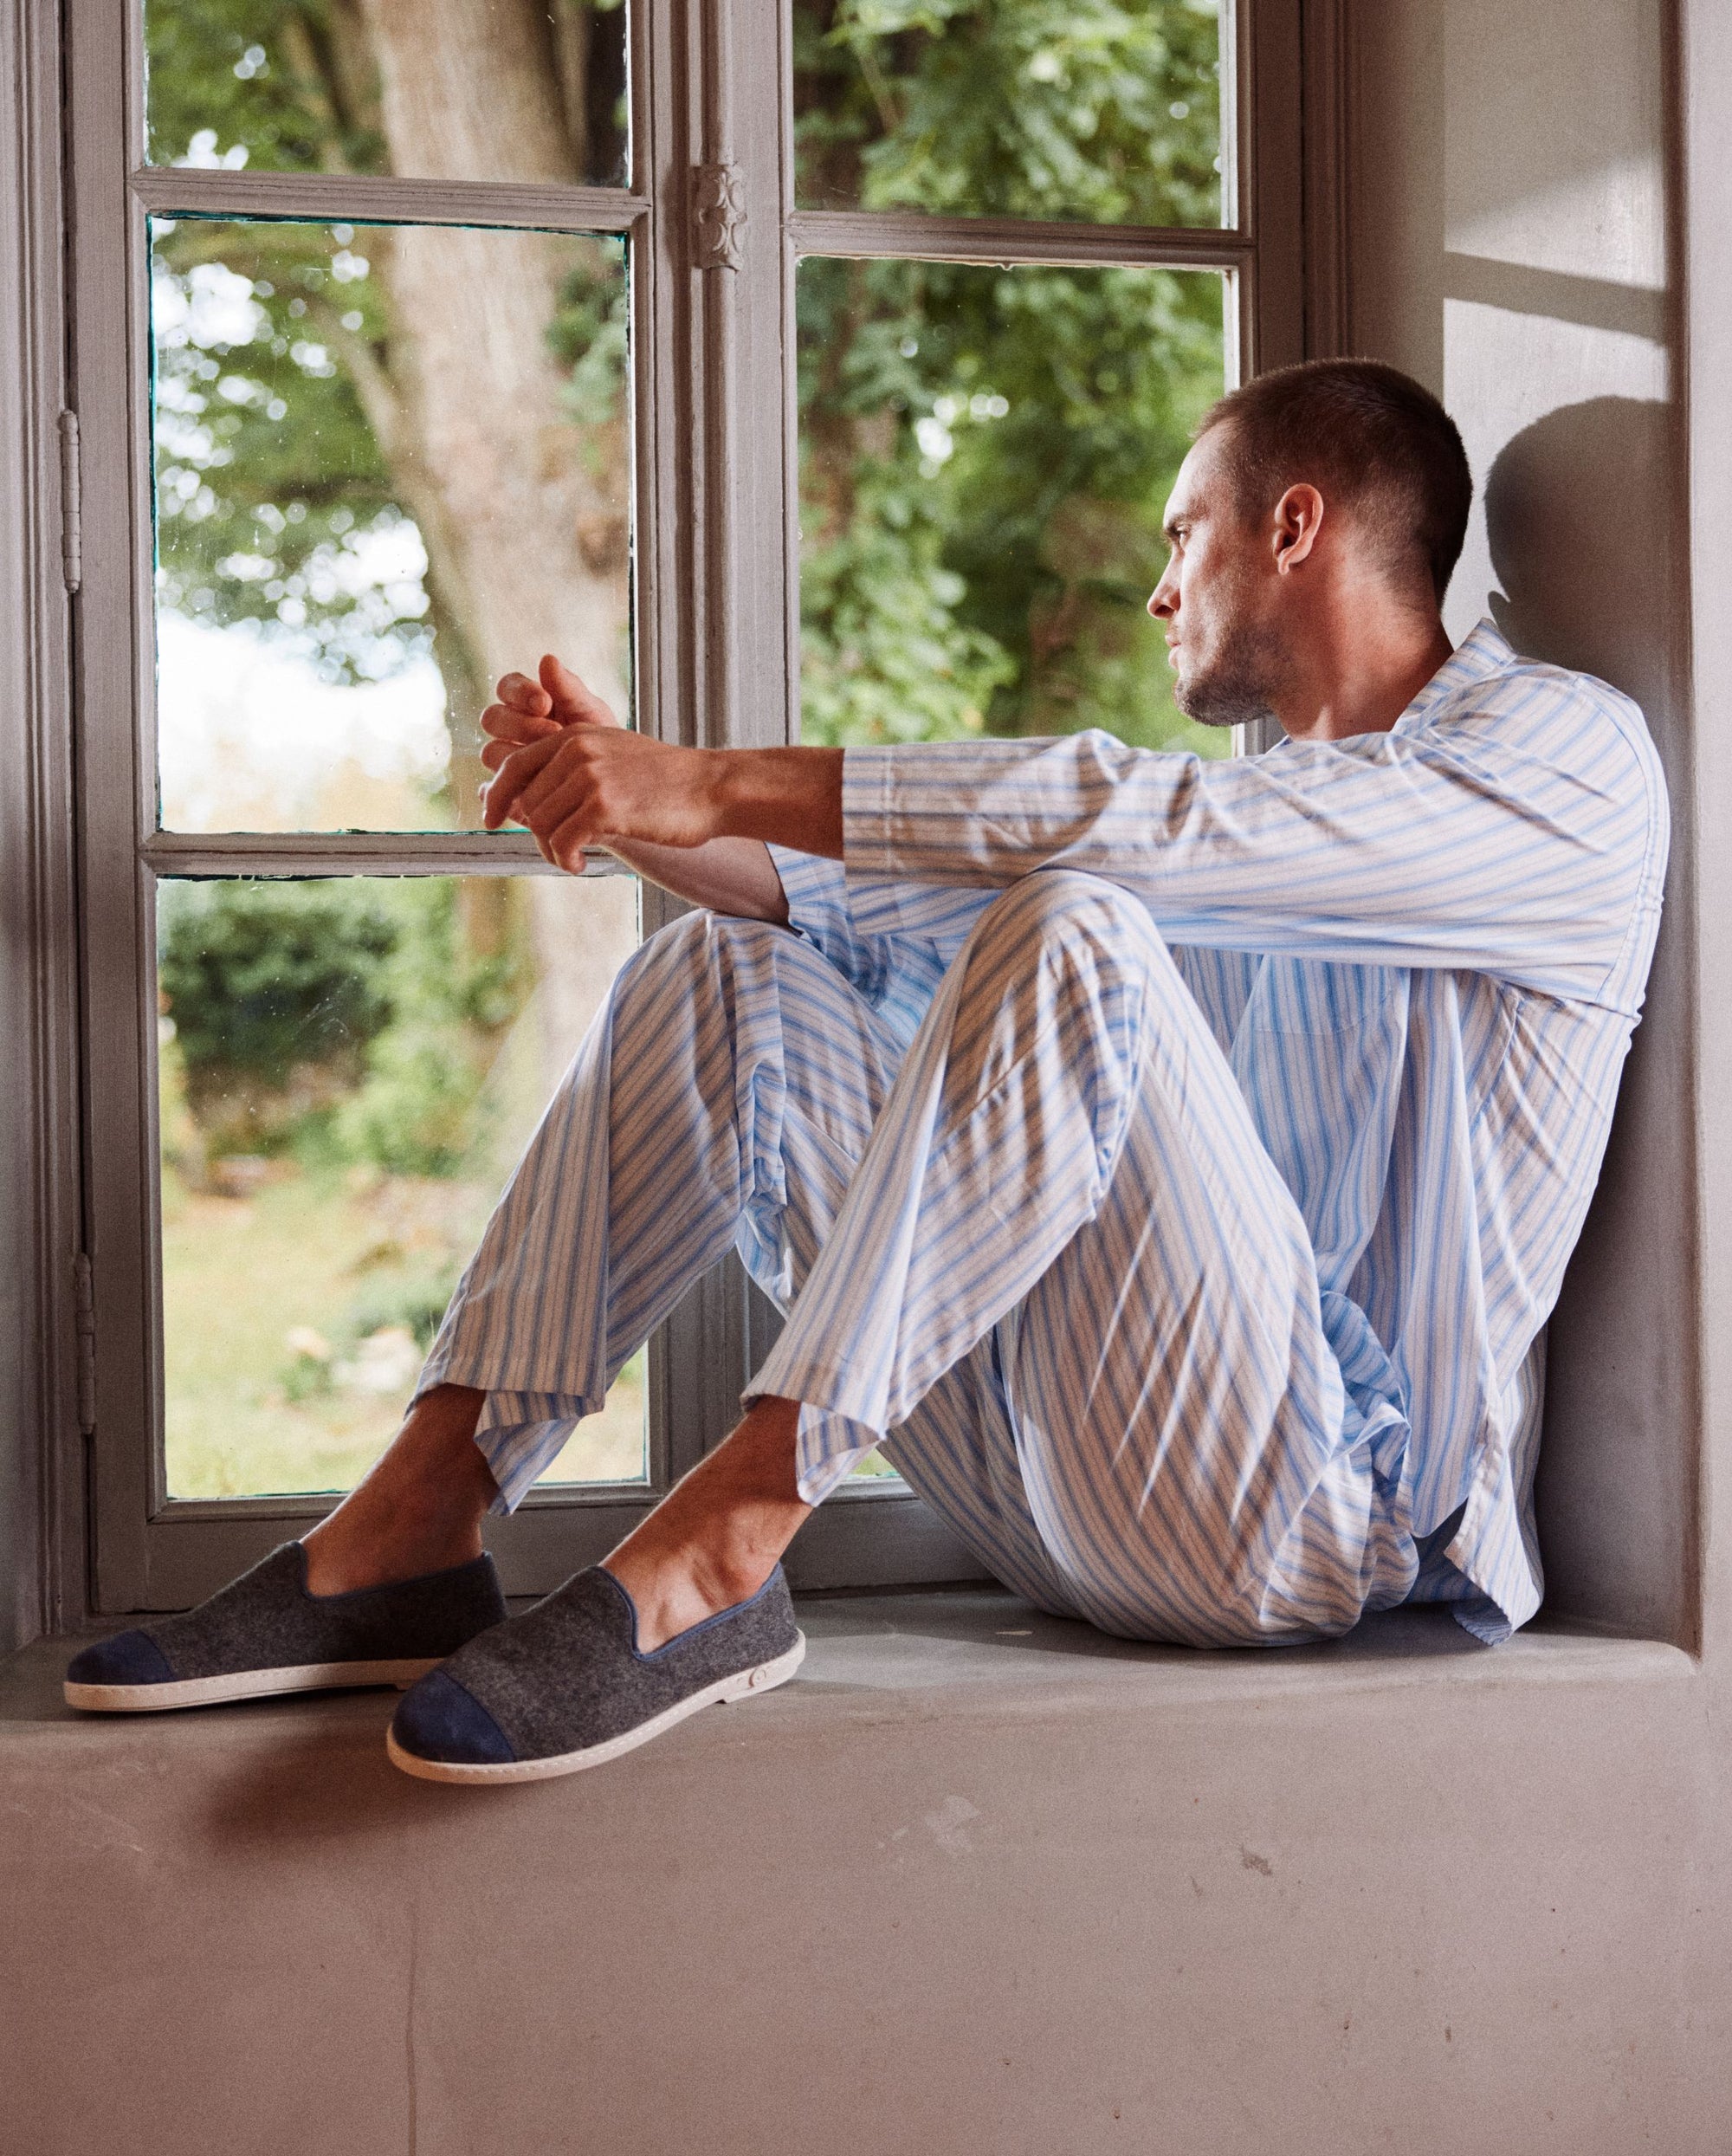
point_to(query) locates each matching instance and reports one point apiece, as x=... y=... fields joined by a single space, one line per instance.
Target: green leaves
x=343 y=1019
x=955 y=421
x=885 y=657
x=588 y=337
x=282 y=85
x=262 y=978
x=1102 y=110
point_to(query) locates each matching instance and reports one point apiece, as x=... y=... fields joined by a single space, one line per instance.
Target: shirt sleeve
x=1513 y=849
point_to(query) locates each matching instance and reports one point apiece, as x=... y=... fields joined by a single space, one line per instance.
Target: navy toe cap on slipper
x=130 y=1658
x=438 y=1719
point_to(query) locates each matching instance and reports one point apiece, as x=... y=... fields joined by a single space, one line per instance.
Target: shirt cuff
x=814 y=890
x=878 y=891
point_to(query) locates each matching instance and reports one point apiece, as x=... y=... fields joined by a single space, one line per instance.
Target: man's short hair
x=1371 y=439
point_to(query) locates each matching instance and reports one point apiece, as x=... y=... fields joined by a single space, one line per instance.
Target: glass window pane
x=392 y=462
x=431 y=89
x=1104 y=110
x=985 y=461
x=350 y=1069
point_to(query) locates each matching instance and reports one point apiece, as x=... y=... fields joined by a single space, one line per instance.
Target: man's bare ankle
x=418 y=1510
x=339 y=1563
x=673 y=1589
x=326 y=1576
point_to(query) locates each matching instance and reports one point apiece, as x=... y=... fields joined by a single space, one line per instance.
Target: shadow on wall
x=1576 y=519
x=1579 y=510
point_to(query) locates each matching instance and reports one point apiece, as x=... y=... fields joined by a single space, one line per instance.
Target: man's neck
x=1360 y=670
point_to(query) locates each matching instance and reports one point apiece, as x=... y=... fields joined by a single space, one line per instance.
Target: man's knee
x=1054 y=907
x=693 y=950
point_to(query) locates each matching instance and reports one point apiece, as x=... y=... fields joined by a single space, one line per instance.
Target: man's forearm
x=790 y=796
x=731 y=875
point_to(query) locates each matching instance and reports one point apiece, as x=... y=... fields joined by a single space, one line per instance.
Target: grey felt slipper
x=564 y=1685
x=264 y=1634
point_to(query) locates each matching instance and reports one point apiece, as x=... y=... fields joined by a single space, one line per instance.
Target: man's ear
x=1298 y=519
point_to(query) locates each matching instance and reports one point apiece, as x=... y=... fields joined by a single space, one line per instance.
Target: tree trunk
x=529 y=542
x=535 y=506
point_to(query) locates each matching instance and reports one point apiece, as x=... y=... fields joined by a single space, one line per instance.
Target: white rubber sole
x=244 y=1683
x=746 y=1685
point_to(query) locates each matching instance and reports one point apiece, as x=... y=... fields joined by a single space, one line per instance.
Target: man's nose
x=1163 y=600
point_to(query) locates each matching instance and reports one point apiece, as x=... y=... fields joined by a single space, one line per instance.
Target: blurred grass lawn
x=307 y=1251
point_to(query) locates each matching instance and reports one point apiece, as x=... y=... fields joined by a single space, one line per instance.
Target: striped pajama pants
x=1040 y=1255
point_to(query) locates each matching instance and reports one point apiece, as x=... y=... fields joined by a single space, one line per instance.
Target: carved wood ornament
x=717 y=214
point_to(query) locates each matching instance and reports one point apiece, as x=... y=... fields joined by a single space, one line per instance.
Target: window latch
x=71 y=537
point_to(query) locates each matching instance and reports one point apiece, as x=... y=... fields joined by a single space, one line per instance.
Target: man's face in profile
x=1217 y=597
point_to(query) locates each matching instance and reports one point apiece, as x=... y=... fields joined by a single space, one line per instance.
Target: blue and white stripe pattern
x=1424 y=952
x=1184 y=1215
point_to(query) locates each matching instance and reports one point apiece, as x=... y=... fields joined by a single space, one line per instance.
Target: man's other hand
x=534 y=710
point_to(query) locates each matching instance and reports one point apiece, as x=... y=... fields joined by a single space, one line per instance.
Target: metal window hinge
x=84 y=1304
x=717 y=214
x=71 y=538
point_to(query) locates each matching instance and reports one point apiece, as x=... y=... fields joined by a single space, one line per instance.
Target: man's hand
x=687 y=818
x=533 y=711
x=566 y=769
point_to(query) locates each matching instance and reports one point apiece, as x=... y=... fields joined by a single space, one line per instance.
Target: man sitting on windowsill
x=1171 y=1165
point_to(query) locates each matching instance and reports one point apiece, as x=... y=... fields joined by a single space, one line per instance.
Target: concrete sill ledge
x=959 y=1654
x=976 y=1882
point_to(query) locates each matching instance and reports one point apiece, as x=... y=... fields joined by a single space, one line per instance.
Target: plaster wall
x=1514 y=250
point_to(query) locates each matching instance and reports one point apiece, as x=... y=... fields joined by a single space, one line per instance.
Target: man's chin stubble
x=1214 y=701
x=1240 y=688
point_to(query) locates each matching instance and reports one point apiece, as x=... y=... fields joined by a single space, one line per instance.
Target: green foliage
x=886 y=656
x=969 y=435
x=589 y=336
x=262 y=978
x=417 y=1302
x=986 y=454
x=1107 y=110
x=417 y=1111
x=290 y=82
x=343 y=1019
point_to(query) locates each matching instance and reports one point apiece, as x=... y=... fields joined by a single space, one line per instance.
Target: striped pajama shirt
x=1171 y=1164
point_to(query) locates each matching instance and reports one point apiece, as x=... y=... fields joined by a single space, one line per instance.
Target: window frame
x=715 y=513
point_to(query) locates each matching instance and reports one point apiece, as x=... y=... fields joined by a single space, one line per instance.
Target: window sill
x=963 y=1828
x=960 y=1653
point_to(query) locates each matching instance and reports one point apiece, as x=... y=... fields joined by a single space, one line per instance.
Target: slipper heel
x=751 y=1684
